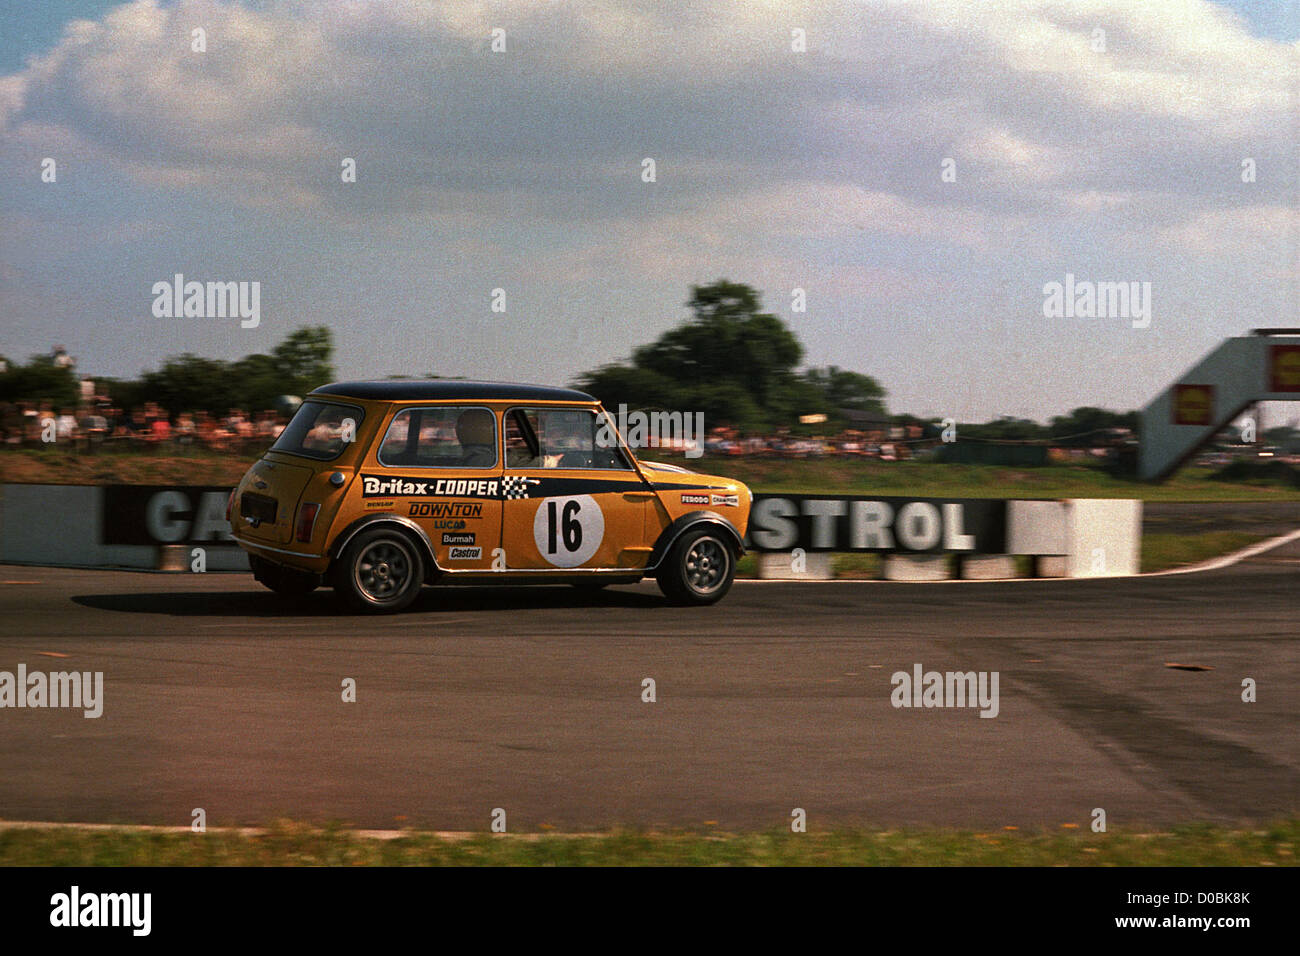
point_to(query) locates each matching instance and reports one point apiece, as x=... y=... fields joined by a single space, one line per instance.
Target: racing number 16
x=569 y=526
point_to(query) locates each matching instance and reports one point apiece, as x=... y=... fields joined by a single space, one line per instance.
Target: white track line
x=264 y=831
x=1225 y=560
x=1213 y=564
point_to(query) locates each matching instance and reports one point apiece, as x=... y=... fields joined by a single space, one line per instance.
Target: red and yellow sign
x=1284 y=368
x=1193 y=404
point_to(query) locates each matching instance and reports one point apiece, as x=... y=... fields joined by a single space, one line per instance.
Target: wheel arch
x=687 y=522
x=397 y=521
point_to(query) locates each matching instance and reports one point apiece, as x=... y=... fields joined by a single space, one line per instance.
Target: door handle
x=638 y=494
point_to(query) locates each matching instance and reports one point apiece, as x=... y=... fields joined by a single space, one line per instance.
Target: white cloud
x=1022 y=95
x=773 y=166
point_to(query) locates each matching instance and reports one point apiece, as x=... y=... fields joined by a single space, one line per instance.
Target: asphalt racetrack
x=219 y=695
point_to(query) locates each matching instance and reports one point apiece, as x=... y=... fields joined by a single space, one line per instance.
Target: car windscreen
x=319 y=430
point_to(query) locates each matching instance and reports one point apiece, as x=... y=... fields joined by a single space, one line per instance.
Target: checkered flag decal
x=513 y=488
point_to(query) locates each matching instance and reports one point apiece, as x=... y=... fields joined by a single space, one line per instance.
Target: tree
x=40 y=380
x=618 y=384
x=727 y=340
x=1085 y=424
x=261 y=380
x=188 y=382
x=303 y=359
x=1005 y=428
x=732 y=361
x=844 y=389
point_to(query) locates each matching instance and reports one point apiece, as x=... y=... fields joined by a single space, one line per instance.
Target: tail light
x=307 y=520
x=230 y=504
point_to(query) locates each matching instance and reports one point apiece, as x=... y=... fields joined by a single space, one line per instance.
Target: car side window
x=319 y=430
x=560 y=438
x=441 y=436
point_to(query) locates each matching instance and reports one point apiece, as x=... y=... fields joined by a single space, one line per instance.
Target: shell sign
x=1284 y=368
x=1193 y=404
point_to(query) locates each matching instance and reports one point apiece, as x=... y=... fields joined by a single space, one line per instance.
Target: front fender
x=686 y=522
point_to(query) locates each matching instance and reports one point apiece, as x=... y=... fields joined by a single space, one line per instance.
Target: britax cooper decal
x=374 y=486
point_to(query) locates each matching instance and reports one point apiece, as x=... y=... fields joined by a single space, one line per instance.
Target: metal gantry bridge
x=1261 y=367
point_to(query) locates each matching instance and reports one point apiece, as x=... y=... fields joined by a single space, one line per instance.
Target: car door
x=439 y=466
x=572 y=500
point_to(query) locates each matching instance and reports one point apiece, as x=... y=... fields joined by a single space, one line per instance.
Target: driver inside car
x=476 y=430
x=565 y=438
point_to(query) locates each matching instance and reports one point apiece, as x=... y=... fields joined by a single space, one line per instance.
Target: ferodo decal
x=373 y=486
x=695 y=499
x=465 y=538
x=568 y=530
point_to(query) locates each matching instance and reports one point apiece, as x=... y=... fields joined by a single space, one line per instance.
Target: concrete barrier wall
x=1096 y=537
x=1077 y=537
x=1103 y=537
x=1074 y=537
x=62 y=525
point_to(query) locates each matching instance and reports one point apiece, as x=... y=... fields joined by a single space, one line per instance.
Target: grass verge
x=292 y=844
x=829 y=476
x=934 y=480
x=1162 y=551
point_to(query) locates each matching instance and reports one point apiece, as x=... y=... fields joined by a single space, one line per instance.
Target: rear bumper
x=298 y=560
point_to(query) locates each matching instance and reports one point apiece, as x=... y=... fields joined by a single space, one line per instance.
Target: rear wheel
x=698 y=569
x=379 y=572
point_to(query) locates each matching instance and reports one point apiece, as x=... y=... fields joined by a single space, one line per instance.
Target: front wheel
x=379 y=572
x=698 y=569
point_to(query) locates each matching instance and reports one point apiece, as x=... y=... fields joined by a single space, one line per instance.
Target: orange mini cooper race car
x=376 y=488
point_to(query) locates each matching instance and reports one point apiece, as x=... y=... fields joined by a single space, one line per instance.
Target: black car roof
x=403 y=390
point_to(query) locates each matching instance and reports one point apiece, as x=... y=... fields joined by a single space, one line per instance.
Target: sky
x=921 y=170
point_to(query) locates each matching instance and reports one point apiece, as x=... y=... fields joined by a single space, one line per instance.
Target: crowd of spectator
x=99 y=426
x=888 y=444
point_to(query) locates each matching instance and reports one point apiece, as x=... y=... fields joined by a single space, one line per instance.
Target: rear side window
x=441 y=436
x=320 y=430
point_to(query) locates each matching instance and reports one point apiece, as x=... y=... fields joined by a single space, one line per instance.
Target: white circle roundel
x=568 y=530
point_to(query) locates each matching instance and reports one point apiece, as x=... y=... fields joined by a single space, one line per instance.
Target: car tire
x=283 y=581
x=379 y=572
x=698 y=568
